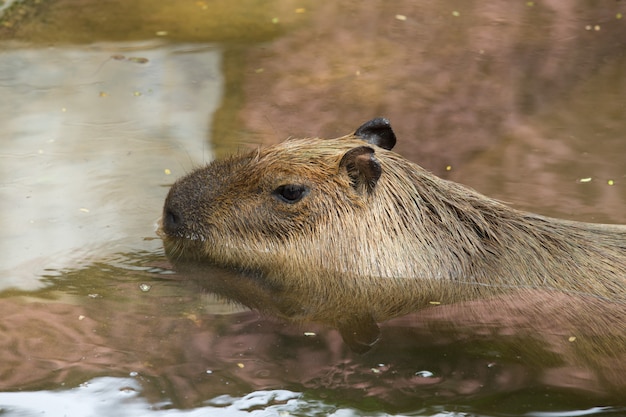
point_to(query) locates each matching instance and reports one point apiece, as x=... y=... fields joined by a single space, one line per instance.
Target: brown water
x=104 y=104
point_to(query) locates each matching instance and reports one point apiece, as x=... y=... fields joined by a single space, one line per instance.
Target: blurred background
x=103 y=104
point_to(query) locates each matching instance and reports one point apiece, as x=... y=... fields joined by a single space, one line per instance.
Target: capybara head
x=347 y=232
x=294 y=204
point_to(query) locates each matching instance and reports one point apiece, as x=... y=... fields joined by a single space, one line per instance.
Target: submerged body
x=348 y=233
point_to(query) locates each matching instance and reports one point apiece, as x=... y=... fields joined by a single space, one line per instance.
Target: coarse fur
x=371 y=236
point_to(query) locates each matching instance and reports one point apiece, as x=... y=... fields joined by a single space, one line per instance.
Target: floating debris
x=138 y=60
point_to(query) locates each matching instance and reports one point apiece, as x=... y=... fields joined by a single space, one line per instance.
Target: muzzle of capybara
x=180 y=241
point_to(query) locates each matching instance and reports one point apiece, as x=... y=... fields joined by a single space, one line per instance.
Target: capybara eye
x=291 y=193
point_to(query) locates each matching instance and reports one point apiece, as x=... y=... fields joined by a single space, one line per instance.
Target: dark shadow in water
x=490 y=356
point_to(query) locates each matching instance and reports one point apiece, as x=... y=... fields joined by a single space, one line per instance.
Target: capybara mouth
x=180 y=250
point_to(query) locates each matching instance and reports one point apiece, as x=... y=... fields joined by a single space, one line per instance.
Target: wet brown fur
x=352 y=252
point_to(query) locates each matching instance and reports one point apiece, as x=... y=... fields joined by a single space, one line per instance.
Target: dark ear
x=362 y=167
x=377 y=132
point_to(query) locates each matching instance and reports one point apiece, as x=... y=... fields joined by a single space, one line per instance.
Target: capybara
x=348 y=233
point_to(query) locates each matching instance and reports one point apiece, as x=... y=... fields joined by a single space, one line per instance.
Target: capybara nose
x=172 y=221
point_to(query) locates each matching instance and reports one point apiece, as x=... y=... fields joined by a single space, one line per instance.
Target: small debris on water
x=456 y=13
x=400 y=17
x=145 y=287
x=241 y=365
x=84 y=210
x=161 y=33
x=138 y=60
x=81 y=317
x=167 y=171
x=435 y=303
x=424 y=374
x=193 y=318
x=380 y=368
x=310 y=334
x=571 y=339
x=448 y=167
x=133 y=374
x=610 y=182
x=588 y=179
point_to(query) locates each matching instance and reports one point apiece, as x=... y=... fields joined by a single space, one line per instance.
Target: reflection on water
x=183 y=348
x=87 y=134
x=104 y=396
x=521 y=99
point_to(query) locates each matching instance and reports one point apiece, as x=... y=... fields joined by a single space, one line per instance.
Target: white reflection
x=87 y=134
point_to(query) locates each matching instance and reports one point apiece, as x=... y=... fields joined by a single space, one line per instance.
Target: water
x=101 y=110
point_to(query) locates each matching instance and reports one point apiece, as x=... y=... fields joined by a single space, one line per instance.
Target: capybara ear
x=377 y=132
x=362 y=167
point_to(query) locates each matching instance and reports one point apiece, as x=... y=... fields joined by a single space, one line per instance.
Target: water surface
x=104 y=105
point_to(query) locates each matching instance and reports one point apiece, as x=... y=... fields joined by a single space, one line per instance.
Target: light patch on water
x=121 y=397
x=5 y=5
x=88 y=136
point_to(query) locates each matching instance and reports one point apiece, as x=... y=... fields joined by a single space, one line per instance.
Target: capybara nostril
x=172 y=221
